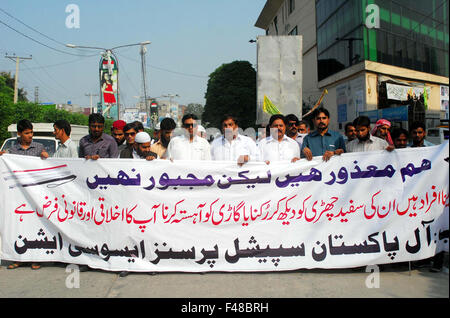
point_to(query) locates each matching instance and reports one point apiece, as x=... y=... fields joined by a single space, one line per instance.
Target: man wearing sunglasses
x=97 y=144
x=292 y=129
x=189 y=146
x=129 y=130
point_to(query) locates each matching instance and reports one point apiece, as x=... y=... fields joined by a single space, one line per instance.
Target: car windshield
x=49 y=144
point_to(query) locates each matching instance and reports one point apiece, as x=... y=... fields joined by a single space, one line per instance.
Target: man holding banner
x=364 y=140
x=27 y=147
x=232 y=146
x=278 y=146
x=323 y=141
x=97 y=144
x=189 y=146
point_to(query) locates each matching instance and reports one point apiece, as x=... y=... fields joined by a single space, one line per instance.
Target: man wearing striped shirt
x=365 y=141
x=67 y=148
x=25 y=146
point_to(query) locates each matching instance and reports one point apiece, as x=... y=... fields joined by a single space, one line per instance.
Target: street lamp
x=108 y=54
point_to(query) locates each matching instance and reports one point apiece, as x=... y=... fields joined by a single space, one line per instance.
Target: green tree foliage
x=11 y=113
x=6 y=108
x=231 y=90
x=194 y=108
x=9 y=81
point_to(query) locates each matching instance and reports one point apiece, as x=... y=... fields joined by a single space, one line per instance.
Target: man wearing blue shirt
x=322 y=142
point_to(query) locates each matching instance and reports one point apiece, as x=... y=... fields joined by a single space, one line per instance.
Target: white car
x=49 y=144
x=437 y=135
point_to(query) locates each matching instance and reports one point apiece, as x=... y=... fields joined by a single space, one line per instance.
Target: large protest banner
x=121 y=214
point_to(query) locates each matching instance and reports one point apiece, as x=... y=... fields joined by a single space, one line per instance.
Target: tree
x=9 y=81
x=6 y=108
x=231 y=90
x=196 y=109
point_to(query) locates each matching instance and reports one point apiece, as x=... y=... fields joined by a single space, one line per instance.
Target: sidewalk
x=52 y=281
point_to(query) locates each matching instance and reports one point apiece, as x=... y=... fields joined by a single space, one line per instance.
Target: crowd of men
x=287 y=138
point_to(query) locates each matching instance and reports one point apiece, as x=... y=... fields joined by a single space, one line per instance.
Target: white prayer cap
x=142 y=137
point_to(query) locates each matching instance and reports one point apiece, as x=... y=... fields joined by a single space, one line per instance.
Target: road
x=394 y=281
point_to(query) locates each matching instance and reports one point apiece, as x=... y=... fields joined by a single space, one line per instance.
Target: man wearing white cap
x=156 y=133
x=141 y=147
x=141 y=150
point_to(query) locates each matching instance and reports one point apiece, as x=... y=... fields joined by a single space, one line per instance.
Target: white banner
x=121 y=214
x=400 y=92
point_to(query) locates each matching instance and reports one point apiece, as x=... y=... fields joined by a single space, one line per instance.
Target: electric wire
x=163 y=69
x=39 y=42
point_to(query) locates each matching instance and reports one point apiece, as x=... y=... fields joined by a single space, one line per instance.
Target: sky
x=189 y=40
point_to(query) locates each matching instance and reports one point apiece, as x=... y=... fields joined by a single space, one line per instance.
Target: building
x=382 y=58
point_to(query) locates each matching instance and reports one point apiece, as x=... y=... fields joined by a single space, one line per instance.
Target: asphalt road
x=394 y=281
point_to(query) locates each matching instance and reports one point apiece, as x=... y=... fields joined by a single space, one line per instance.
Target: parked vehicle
x=43 y=133
x=438 y=135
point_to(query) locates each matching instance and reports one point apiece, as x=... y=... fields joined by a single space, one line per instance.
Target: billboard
x=109 y=86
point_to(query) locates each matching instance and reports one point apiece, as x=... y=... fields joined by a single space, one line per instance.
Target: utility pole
x=16 y=77
x=144 y=88
x=91 y=95
x=144 y=83
x=36 y=94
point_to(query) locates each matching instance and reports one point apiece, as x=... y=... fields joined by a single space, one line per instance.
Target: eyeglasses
x=291 y=124
x=130 y=134
x=189 y=125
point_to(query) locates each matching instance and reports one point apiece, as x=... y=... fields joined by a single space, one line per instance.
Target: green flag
x=425 y=97
x=269 y=107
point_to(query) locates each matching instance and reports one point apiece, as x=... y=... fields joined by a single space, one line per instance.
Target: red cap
x=119 y=124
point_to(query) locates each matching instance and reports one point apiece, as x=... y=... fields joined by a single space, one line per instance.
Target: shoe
x=13 y=266
x=83 y=268
x=421 y=264
x=123 y=274
x=35 y=266
x=436 y=269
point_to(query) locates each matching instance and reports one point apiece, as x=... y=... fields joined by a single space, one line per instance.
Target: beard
x=366 y=137
x=291 y=132
x=164 y=141
x=322 y=126
x=142 y=154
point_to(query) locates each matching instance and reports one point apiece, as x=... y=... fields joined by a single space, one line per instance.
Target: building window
x=291 y=6
x=294 y=31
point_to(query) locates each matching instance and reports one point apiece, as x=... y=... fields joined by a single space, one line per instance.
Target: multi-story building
x=382 y=58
